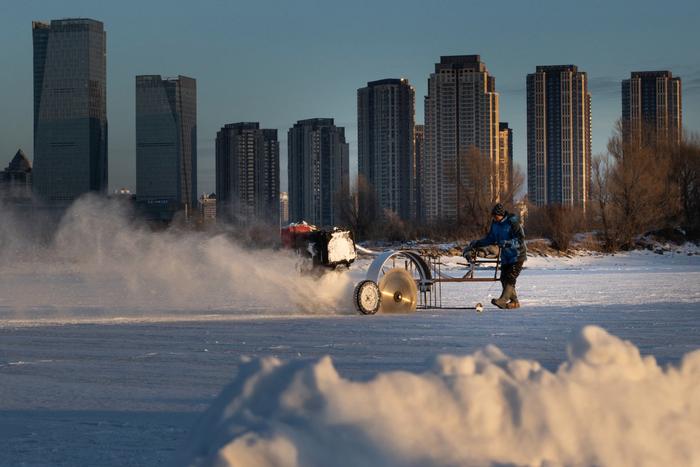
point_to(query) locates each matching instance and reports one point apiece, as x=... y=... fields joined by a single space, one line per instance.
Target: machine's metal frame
x=426 y=268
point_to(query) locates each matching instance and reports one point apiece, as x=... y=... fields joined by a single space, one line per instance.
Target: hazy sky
x=280 y=61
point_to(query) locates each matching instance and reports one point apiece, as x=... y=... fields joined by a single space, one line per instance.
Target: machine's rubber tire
x=367 y=297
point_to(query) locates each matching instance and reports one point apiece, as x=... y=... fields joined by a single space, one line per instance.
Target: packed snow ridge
x=606 y=405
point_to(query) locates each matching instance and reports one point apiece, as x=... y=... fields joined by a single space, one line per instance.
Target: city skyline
x=332 y=69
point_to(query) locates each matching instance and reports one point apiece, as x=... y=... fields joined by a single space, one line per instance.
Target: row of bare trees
x=640 y=187
x=477 y=193
x=636 y=187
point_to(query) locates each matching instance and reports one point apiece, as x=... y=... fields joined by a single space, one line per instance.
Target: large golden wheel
x=398 y=291
x=398 y=278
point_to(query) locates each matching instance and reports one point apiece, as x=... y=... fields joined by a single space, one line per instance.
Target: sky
x=277 y=62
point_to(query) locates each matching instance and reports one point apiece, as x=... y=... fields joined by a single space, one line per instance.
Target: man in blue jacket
x=506 y=232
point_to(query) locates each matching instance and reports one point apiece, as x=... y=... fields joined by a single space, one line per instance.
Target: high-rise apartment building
x=385 y=121
x=652 y=107
x=247 y=173
x=558 y=136
x=419 y=151
x=318 y=169
x=70 y=108
x=166 y=145
x=505 y=158
x=461 y=136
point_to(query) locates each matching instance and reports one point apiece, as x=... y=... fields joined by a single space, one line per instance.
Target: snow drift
x=100 y=265
x=606 y=405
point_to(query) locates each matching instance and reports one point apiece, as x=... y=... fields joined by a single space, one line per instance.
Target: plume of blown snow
x=98 y=263
x=606 y=405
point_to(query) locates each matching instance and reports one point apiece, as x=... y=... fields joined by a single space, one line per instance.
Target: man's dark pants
x=510 y=273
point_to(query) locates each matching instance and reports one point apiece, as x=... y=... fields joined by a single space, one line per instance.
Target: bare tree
x=557 y=223
x=477 y=190
x=601 y=201
x=685 y=175
x=631 y=189
x=517 y=182
x=358 y=209
x=638 y=183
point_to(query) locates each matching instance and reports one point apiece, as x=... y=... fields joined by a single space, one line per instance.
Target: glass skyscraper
x=70 y=108
x=166 y=144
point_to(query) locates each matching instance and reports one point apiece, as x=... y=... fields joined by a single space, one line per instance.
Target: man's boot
x=513 y=303
x=502 y=301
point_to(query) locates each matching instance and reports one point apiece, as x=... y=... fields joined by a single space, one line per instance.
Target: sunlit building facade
x=652 y=107
x=461 y=121
x=558 y=136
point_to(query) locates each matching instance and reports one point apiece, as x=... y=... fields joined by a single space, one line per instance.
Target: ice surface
x=113 y=340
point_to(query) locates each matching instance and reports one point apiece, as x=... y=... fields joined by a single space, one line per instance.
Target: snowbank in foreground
x=606 y=405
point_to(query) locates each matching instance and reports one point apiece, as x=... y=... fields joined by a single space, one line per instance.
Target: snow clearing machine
x=403 y=281
x=397 y=281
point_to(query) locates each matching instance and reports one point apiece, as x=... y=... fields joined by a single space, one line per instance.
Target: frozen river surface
x=122 y=387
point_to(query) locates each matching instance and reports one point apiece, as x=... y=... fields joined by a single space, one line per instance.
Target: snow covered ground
x=111 y=356
x=107 y=385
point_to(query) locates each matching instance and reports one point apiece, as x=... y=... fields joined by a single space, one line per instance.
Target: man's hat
x=498 y=210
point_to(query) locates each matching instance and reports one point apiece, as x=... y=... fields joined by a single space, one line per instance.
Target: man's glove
x=468 y=249
x=505 y=244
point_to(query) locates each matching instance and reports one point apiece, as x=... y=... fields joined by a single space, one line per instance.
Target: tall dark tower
x=166 y=144
x=385 y=124
x=247 y=173
x=319 y=169
x=70 y=108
